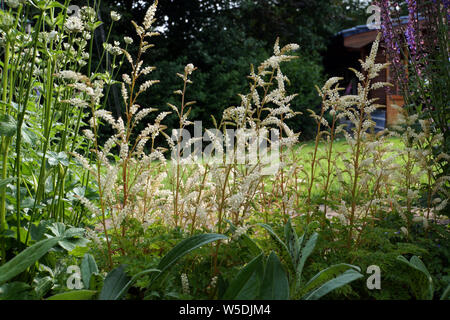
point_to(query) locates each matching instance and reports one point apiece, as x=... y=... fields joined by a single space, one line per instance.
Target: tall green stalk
x=4 y=147
x=21 y=119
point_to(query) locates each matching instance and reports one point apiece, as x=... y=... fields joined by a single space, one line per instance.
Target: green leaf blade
x=26 y=258
x=275 y=285
x=186 y=246
x=246 y=285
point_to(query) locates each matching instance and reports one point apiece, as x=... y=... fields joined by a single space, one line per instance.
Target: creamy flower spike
x=150 y=15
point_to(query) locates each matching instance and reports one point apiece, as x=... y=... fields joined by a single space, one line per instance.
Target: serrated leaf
x=71 y=244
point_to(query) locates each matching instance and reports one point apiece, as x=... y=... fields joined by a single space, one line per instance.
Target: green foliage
x=261 y=278
x=49 y=183
x=424 y=290
x=16 y=291
x=26 y=258
x=186 y=246
x=275 y=285
x=74 y=295
x=114 y=283
x=297 y=250
x=417 y=264
x=117 y=282
x=330 y=279
x=7 y=126
x=89 y=269
x=247 y=283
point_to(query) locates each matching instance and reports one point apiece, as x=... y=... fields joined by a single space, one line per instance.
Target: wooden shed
x=347 y=47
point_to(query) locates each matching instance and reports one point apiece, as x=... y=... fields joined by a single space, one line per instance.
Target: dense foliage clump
x=103 y=203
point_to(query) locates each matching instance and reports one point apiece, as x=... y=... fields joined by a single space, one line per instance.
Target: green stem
x=21 y=119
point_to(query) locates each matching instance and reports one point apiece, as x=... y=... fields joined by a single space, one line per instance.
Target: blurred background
x=222 y=38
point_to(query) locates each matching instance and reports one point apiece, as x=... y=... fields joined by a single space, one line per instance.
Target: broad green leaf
x=72 y=243
x=71 y=238
x=28 y=136
x=247 y=284
x=306 y=251
x=186 y=246
x=37 y=232
x=8 y=126
x=27 y=203
x=55 y=159
x=57 y=228
x=88 y=268
x=26 y=258
x=74 y=232
x=114 y=282
x=417 y=264
x=292 y=242
x=16 y=291
x=326 y=275
x=79 y=252
x=74 y=295
x=341 y=280
x=275 y=285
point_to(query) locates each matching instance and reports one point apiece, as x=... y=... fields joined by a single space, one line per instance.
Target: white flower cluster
x=239 y=232
x=115 y=16
x=185 y=283
x=74 y=24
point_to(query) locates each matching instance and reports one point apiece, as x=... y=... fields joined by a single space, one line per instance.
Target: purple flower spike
x=410 y=29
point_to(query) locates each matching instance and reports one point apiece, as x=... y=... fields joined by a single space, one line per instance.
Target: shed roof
x=364 y=28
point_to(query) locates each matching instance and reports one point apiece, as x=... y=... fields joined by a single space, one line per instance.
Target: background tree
x=223 y=37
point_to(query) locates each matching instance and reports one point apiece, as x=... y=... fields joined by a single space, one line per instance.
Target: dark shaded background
x=222 y=38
